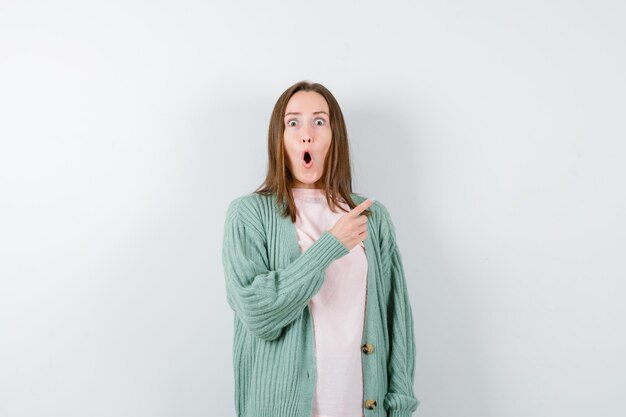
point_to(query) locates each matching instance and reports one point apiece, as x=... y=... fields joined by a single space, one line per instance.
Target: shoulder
x=247 y=210
x=251 y=201
x=244 y=201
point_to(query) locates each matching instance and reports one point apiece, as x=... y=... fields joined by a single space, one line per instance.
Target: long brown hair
x=337 y=172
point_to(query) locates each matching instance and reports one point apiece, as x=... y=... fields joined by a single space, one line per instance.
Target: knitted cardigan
x=269 y=283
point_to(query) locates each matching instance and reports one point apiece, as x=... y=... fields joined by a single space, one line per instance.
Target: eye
x=320 y=120
x=289 y=122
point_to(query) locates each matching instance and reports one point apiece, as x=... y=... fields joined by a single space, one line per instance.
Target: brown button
x=370 y=404
x=367 y=348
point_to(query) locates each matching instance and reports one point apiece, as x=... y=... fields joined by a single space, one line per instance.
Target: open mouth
x=307 y=159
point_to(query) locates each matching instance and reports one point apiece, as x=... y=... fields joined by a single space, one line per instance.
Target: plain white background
x=492 y=130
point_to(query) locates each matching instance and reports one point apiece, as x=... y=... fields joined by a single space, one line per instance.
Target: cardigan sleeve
x=400 y=400
x=268 y=300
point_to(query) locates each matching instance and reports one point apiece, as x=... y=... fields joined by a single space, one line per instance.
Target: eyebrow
x=317 y=112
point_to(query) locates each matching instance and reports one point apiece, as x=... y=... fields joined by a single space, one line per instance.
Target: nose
x=306 y=135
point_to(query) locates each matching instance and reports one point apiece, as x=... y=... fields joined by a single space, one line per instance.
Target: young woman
x=323 y=326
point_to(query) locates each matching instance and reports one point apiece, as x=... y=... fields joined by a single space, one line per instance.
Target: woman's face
x=307 y=129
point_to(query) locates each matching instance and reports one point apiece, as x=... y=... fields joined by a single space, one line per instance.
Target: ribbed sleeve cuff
x=325 y=249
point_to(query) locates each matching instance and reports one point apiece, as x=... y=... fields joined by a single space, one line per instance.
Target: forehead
x=306 y=102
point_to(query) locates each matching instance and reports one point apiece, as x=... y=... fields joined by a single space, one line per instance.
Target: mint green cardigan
x=269 y=283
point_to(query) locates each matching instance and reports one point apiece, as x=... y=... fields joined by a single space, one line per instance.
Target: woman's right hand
x=351 y=228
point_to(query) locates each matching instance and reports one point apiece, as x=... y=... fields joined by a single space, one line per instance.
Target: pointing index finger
x=363 y=206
